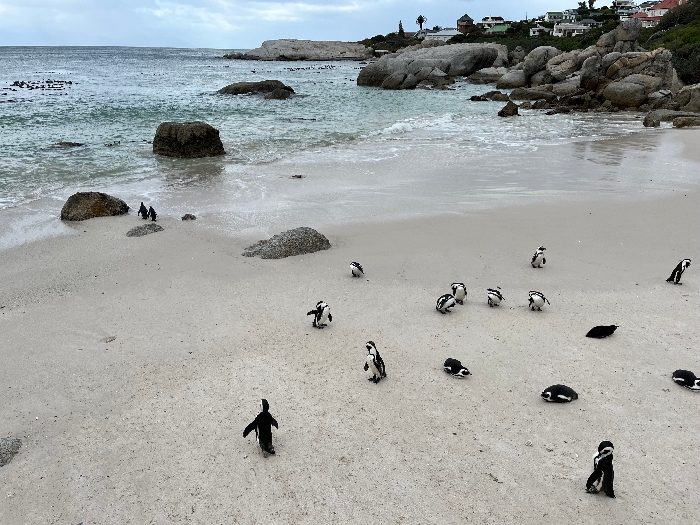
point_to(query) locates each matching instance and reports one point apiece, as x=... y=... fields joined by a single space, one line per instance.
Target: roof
x=588 y=21
x=641 y=14
x=666 y=4
x=465 y=18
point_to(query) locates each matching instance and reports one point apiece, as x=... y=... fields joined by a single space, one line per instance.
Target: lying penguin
x=262 y=424
x=687 y=379
x=374 y=363
x=598 y=332
x=559 y=394
x=321 y=314
x=603 y=473
x=454 y=367
x=444 y=303
x=460 y=292
x=675 y=277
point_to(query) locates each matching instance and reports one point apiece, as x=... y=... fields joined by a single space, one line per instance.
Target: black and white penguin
x=537 y=300
x=678 y=271
x=687 y=379
x=374 y=363
x=143 y=212
x=598 y=332
x=559 y=394
x=321 y=314
x=454 y=367
x=538 y=259
x=444 y=303
x=152 y=213
x=494 y=297
x=262 y=424
x=603 y=473
x=356 y=269
x=460 y=292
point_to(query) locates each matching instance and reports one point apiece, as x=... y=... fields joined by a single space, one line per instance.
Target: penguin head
x=605 y=447
x=541 y=249
x=547 y=395
x=371 y=347
x=264 y=405
x=463 y=372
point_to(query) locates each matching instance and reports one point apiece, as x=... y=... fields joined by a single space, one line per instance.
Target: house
x=590 y=23
x=465 y=24
x=490 y=21
x=497 y=29
x=664 y=7
x=443 y=35
x=540 y=30
x=647 y=21
x=561 y=30
x=423 y=33
x=553 y=16
x=570 y=15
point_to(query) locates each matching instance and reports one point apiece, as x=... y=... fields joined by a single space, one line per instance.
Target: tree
x=590 y=4
x=420 y=21
x=401 y=32
x=437 y=28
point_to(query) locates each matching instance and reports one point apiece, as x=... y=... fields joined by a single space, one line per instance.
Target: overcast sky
x=235 y=24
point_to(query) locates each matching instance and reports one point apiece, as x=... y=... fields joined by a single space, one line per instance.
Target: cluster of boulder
x=292 y=49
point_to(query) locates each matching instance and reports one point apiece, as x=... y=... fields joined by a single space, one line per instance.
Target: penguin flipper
x=330 y=317
x=312 y=312
x=273 y=422
x=366 y=367
x=249 y=428
x=544 y=261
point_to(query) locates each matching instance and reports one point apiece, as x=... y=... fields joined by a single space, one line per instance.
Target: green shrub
x=686 y=60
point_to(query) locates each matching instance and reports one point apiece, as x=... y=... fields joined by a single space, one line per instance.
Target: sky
x=236 y=24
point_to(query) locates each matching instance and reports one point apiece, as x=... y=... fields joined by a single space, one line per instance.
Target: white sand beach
x=131 y=366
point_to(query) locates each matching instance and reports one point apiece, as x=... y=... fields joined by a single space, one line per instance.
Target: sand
x=130 y=367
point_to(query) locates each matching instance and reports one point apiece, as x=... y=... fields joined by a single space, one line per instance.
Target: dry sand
x=130 y=367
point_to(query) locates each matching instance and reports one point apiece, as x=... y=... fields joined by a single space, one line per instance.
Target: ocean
x=364 y=153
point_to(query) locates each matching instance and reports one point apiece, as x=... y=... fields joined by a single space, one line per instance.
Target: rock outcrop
x=431 y=62
x=688 y=98
x=187 y=140
x=144 y=229
x=87 y=205
x=254 y=88
x=686 y=122
x=289 y=243
x=292 y=49
x=9 y=447
x=509 y=110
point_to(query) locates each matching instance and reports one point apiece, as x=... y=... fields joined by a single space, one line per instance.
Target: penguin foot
x=539 y=309
x=592 y=490
x=610 y=494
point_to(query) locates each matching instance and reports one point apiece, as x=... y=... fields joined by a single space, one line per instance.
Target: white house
x=569 y=29
x=490 y=21
x=443 y=35
x=538 y=29
x=553 y=16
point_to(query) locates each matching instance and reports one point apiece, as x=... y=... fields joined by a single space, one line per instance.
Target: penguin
x=538 y=259
x=143 y=212
x=321 y=314
x=356 y=269
x=460 y=292
x=598 y=332
x=444 y=303
x=374 y=363
x=675 y=277
x=262 y=424
x=603 y=473
x=152 y=213
x=494 y=297
x=687 y=379
x=559 y=394
x=454 y=367
x=537 y=300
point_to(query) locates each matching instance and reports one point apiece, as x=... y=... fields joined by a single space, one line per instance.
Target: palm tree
x=420 y=21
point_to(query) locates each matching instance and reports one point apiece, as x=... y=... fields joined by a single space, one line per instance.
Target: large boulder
x=453 y=60
x=89 y=204
x=509 y=110
x=144 y=229
x=187 y=140
x=631 y=91
x=656 y=63
x=292 y=49
x=689 y=98
x=567 y=87
x=513 y=79
x=686 y=122
x=623 y=38
x=536 y=60
x=286 y=244
x=488 y=75
x=516 y=56
x=563 y=65
x=667 y=115
x=541 y=78
x=9 y=447
x=533 y=94
x=253 y=88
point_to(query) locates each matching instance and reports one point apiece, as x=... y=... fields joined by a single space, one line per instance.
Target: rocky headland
x=292 y=49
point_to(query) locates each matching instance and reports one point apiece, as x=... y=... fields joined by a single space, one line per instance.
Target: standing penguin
x=678 y=271
x=374 y=362
x=444 y=303
x=538 y=259
x=262 y=424
x=356 y=269
x=321 y=314
x=494 y=297
x=143 y=212
x=603 y=473
x=537 y=300
x=152 y=213
x=460 y=292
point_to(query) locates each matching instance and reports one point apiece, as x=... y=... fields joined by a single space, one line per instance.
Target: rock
x=533 y=94
x=394 y=81
x=688 y=98
x=516 y=56
x=567 y=87
x=655 y=64
x=541 y=104
x=666 y=115
x=292 y=49
x=536 y=60
x=478 y=98
x=187 y=140
x=188 y=217
x=253 y=88
x=87 y=205
x=453 y=60
x=591 y=71
x=512 y=79
x=563 y=65
x=651 y=122
x=488 y=75
x=509 y=110
x=69 y=144
x=278 y=94
x=631 y=91
x=559 y=109
x=144 y=229
x=497 y=96
x=289 y=243
x=629 y=30
x=686 y=122
x=9 y=447
x=526 y=105
x=541 y=78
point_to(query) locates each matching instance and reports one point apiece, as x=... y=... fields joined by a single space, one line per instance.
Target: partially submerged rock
x=686 y=122
x=9 y=447
x=188 y=217
x=187 y=140
x=509 y=110
x=279 y=94
x=144 y=229
x=87 y=205
x=286 y=244
x=254 y=88
x=293 y=49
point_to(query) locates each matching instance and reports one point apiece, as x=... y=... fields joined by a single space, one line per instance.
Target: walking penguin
x=356 y=269
x=538 y=259
x=603 y=473
x=262 y=424
x=494 y=297
x=321 y=314
x=152 y=213
x=537 y=300
x=675 y=277
x=460 y=292
x=374 y=363
x=143 y=212
x=444 y=303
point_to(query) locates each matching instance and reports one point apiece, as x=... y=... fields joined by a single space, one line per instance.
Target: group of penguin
x=146 y=213
x=603 y=473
